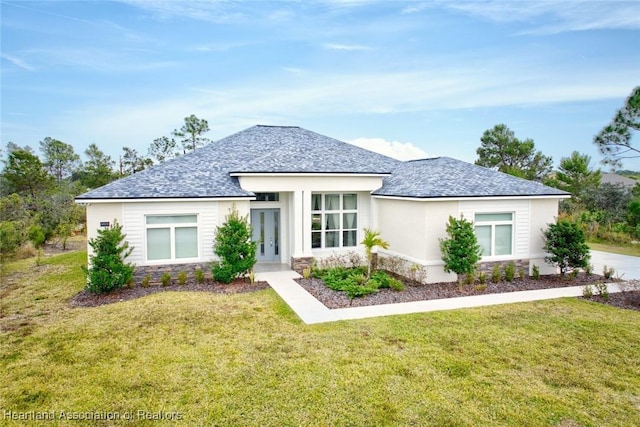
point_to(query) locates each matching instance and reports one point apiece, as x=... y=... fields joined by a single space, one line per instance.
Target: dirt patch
x=421 y=292
x=87 y=299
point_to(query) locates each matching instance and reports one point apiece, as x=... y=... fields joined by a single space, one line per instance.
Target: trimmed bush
x=460 y=251
x=495 y=274
x=566 y=244
x=510 y=272
x=107 y=270
x=234 y=247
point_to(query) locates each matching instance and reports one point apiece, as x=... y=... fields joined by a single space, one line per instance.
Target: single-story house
x=310 y=196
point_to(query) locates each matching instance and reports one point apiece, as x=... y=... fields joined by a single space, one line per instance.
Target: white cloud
x=348 y=47
x=397 y=150
x=551 y=17
x=18 y=62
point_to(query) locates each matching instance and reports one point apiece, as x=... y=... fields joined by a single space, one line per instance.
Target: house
x=309 y=196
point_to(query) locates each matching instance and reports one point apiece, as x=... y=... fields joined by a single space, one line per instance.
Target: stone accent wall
x=155 y=272
x=299 y=264
x=520 y=264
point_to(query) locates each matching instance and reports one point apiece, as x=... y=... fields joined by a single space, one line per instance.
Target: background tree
x=24 y=174
x=460 y=251
x=97 y=169
x=59 y=158
x=566 y=244
x=576 y=176
x=107 y=270
x=614 y=140
x=234 y=247
x=191 y=133
x=131 y=162
x=501 y=150
x=162 y=149
x=371 y=240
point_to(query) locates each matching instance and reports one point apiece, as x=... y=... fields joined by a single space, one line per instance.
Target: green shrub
x=495 y=273
x=602 y=290
x=587 y=291
x=354 y=282
x=460 y=250
x=481 y=287
x=608 y=272
x=588 y=270
x=306 y=273
x=36 y=235
x=252 y=277
x=146 y=281
x=510 y=272
x=482 y=278
x=566 y=244
x=234 y=247
x=574 y=273
x=11 y=238
x=521 y=273
x=199 y=276
x=165 y=279
x=182 y=278
x=470 y=278
x=107 y=270
x=535 y=273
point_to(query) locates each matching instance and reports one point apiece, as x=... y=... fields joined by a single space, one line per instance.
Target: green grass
x=633 y=250
x=248 y=360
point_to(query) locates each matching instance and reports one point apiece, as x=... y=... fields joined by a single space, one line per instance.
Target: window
x=495 y=233
x=267 y=197
x=334 y=220
x=171 y=237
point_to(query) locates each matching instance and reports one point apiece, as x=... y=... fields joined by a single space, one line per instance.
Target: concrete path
x=310 y=310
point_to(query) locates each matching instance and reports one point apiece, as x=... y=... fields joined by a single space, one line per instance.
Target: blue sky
x=417 y=78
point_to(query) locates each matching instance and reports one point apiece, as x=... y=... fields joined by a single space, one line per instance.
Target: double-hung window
x=495 y=233
x=171 y=237
x=334 y=220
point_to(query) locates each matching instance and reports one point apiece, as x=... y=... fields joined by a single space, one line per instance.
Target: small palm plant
x=370 y=241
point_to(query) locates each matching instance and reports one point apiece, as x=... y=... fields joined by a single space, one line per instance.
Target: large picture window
x=171 y=237
x=334 y=220
x=495 y=233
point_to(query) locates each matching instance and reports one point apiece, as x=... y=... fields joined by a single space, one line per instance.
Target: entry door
x=266 y=233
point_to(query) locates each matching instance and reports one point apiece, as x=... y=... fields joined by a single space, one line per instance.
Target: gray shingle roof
x=206 y=172
x=446 y=177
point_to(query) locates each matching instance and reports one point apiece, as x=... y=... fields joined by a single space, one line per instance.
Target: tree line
x=37 y=192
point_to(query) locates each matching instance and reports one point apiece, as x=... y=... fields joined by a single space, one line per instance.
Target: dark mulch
x=420 y=292
x=87 y=299
x=629 y=300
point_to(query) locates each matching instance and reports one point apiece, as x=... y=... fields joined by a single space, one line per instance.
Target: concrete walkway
x=310 y=310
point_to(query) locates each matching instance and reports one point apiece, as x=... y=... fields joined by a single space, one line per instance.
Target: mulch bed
x=629 y=300
x=87 y=299
x=420 y=292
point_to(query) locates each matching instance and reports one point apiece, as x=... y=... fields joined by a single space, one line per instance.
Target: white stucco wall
x=413 y=228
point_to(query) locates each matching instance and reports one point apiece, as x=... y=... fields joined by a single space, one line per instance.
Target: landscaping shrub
x=234 y=247
x=602 y=290
x=460 y=251
x=371 y=240
x=482 y=278
x=608 y=272
x=535 y=273
x=495 y=273
x=521 y=273
x=107 y=270
x=146 y=281
x=354 y=282
x=588 y=270
x=36 y=235
x=165 y=279
x=470 y=278
x=510 y=272
x=566 y=243
x=587 y=291
x=182 y=278
x=199 y=276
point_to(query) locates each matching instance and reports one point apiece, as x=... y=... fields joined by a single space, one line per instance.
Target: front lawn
x=246 y=359
x=631 y=249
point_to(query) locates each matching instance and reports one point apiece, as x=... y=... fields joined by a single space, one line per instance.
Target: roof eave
x=88 y=200
x=463 y=198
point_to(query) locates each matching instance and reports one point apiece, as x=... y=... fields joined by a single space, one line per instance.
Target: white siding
x=521 y=220
x=134 y=225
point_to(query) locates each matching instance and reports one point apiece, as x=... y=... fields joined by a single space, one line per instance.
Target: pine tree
x=234 y=247
x=107 y=270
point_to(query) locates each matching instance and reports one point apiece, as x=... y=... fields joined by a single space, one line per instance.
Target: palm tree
x=370 y=241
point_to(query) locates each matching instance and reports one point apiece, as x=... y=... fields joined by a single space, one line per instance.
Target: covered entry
x=266 y=233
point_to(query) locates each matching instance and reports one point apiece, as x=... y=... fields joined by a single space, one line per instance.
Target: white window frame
x=493 y=224
x=172 y=237
x=340 y=212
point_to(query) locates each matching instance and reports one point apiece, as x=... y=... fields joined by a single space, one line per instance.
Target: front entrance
x=266 y=233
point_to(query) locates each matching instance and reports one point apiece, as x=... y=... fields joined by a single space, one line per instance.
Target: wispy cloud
x=551 y=17
x=397 y=150
x=346 y=47
x=18 y=62
x=219 y=11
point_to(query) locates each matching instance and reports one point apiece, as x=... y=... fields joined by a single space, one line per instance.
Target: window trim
x=340 y=212
x=172 y=237
x=492 y=224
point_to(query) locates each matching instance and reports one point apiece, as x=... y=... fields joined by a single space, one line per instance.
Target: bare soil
x=420 y=292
